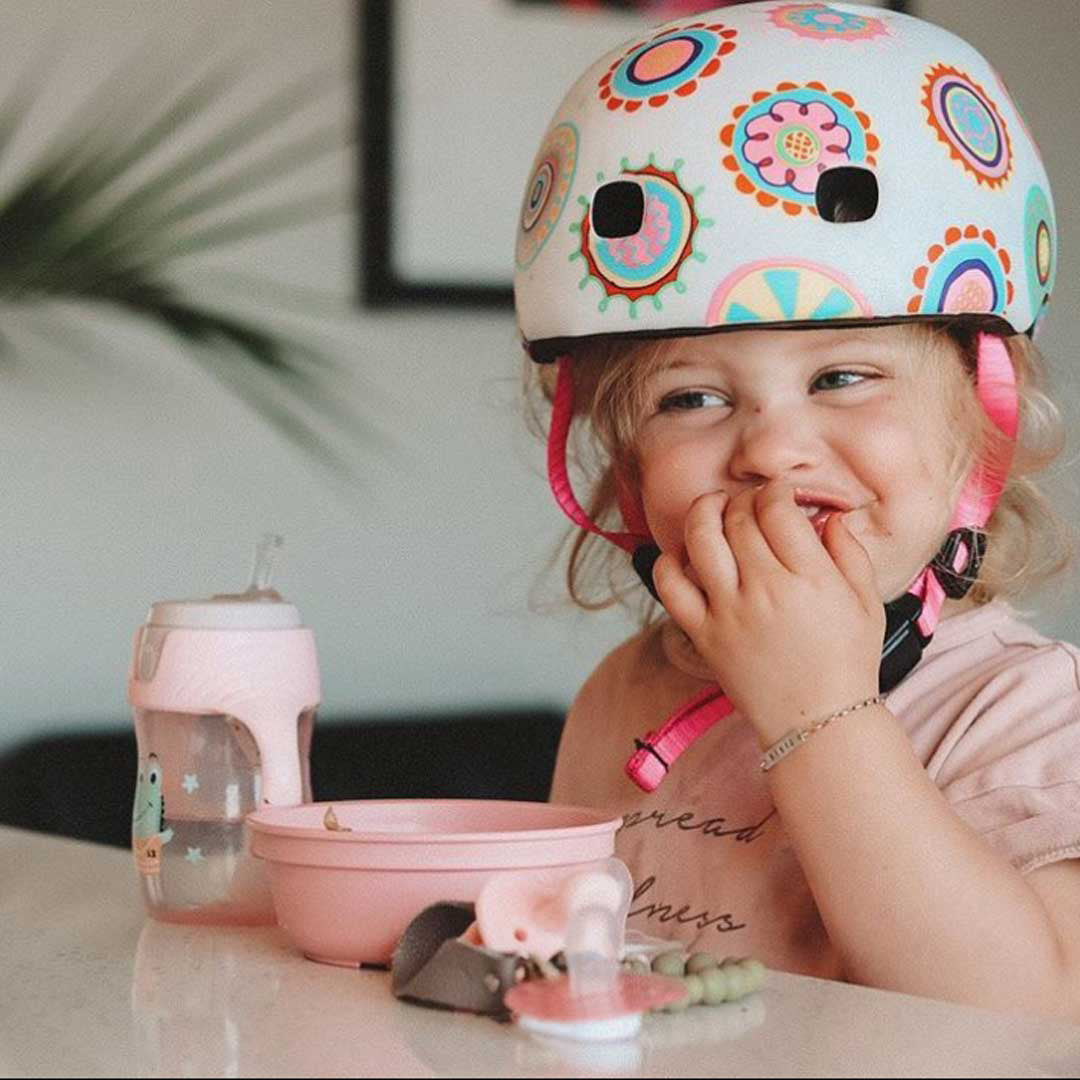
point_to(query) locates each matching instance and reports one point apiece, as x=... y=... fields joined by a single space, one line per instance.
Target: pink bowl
x=346 y=897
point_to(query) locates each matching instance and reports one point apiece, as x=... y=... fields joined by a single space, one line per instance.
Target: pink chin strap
x=562 y=414
x=658 y=751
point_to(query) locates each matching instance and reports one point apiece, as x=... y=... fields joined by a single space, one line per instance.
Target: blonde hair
x=1028 y=543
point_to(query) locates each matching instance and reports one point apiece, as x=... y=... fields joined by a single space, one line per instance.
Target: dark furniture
x=82 y=785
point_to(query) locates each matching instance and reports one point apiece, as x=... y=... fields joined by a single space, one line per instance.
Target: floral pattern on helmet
x=826 y=23
x=784 y=291
x=968 y=122
x=546 y=193
x=967 y=274
x=641 y=264
x=672 y=62
x=1040 y=248
x=781 y=142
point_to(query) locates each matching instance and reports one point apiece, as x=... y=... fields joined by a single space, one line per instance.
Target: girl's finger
x=706 y=546
x=786 y=529
x=749 y=548
x=852 y=561
x=681 y=598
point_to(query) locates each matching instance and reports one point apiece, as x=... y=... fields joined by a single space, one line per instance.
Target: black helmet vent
x=846 y=194
x=618 y=209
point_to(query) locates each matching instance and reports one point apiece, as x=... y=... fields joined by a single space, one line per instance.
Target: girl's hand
x=792 y=625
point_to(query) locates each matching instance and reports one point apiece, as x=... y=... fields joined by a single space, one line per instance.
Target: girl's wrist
x=793 y=739
x=778 y=723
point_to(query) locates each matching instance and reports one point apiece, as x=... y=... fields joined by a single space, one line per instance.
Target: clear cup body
x=198 y=777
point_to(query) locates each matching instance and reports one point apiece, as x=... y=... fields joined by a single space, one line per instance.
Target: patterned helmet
x=783 y=163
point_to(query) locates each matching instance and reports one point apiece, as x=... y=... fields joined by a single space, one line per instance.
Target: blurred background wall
x=127 y=474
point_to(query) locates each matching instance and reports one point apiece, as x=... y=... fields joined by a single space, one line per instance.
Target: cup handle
x=277 y=739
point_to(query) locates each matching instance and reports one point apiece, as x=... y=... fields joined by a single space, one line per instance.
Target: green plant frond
x=84 y=266
x=17 y=105
x=33 y=227
x=74 y=227
x=233 y=137
x=158 y=303
x=112 y=160
x=257 y=223
x=114 y=243
x=119 y=105
x=275 y=354
x=57 y=209
x=271 y=168
x=42 y=232
x=89 y=271
x=43 y=251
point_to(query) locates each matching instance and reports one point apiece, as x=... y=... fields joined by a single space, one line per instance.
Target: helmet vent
x=618 y=209
x=846 y=194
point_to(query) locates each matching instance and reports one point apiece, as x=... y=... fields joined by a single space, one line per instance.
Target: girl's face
x=855 y=419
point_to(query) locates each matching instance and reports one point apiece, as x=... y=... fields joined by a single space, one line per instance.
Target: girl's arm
x=912 y=898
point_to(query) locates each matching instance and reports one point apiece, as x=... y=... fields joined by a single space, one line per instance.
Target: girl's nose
x=772 y=444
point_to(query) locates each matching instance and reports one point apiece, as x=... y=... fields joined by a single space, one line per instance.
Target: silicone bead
x=695 y=987
x=737 y=981
x=715 y=985
x=670 y=963
x=700 y=962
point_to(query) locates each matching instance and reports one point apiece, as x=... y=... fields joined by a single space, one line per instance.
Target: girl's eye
x=685 y=400
x=837 y=380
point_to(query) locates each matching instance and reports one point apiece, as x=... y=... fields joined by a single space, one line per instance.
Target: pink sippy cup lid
x=226 y=611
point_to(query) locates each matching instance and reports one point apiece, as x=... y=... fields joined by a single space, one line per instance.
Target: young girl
x=782 y=261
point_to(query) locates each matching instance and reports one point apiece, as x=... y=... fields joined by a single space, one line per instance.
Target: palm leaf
x=84 y=223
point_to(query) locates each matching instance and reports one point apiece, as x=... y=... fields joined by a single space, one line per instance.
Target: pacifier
x=582 y=916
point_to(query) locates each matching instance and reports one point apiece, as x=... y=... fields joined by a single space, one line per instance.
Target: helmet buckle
x=957 y=582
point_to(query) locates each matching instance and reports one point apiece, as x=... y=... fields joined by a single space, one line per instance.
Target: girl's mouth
x=819 y=511
x=818 y=516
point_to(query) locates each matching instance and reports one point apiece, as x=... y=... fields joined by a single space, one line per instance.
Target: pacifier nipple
x=597 y=904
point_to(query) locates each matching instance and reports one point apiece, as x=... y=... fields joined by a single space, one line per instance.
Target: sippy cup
x=224 y=692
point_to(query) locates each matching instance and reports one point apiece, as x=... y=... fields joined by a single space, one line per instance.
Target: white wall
x=128 y=475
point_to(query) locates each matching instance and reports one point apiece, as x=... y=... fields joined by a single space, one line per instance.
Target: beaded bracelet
x=797 y=736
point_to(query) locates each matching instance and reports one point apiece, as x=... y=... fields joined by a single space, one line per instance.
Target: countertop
x=92 y=987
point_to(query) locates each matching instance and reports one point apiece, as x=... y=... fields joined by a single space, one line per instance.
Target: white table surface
x=90 y=987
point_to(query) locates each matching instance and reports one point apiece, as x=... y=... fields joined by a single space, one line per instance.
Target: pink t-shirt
x=992 y=711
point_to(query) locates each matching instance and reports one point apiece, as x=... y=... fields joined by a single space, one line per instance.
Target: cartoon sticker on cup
x=148 y=832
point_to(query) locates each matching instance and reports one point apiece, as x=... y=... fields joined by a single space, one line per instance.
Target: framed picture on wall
x=454 y=99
